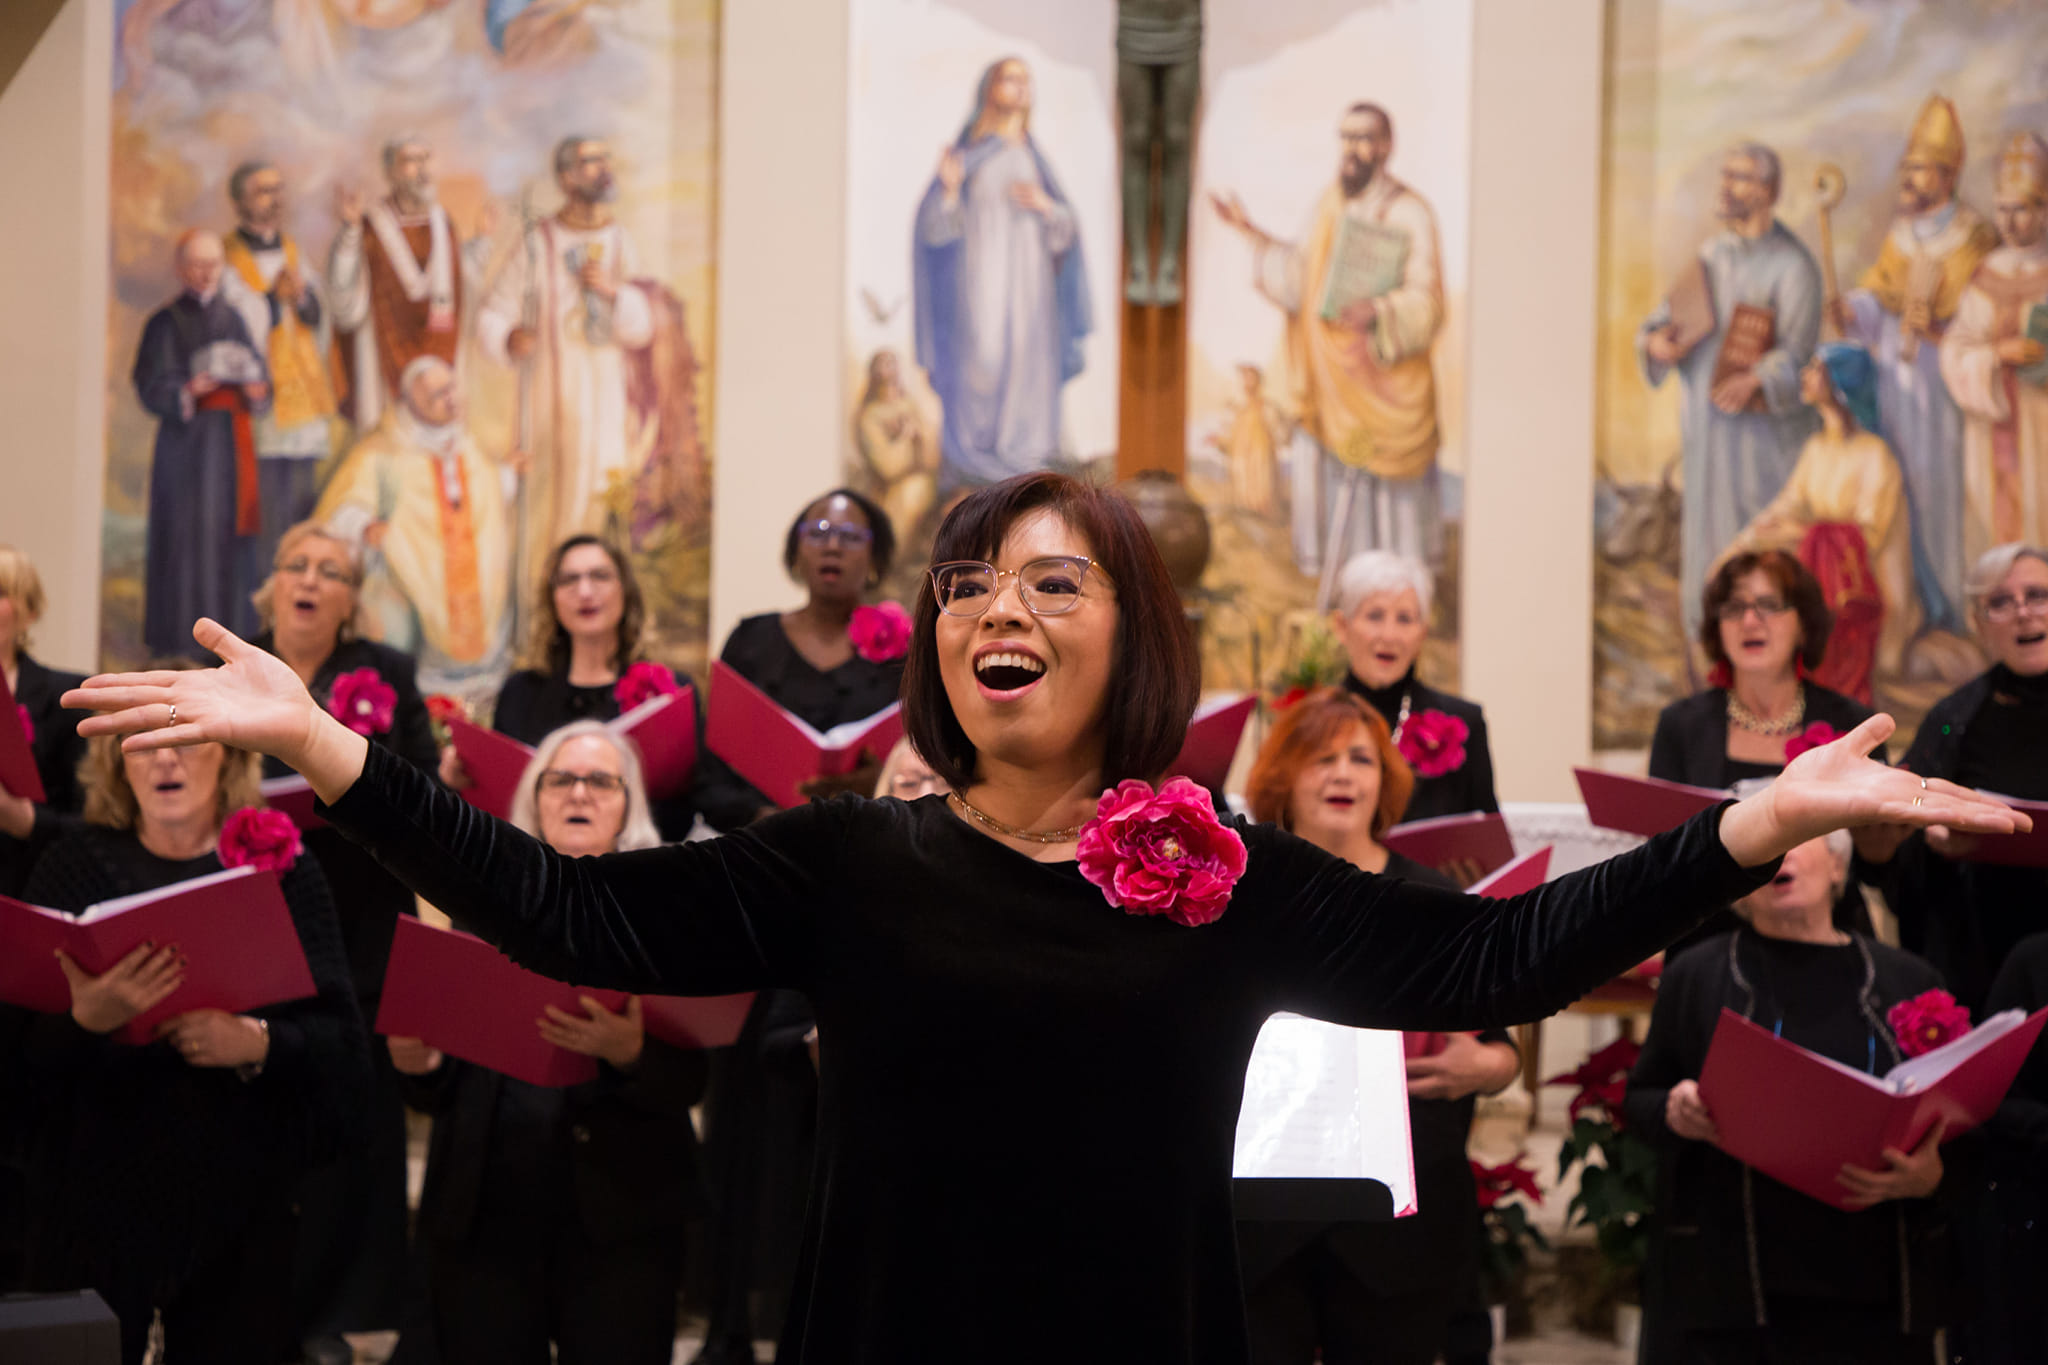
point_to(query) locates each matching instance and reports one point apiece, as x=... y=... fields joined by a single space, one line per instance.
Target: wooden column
x=1152 y=412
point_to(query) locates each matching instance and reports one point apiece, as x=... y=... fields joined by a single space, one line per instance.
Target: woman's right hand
x=253 y=701
x=1686 y=1114
x=454 y=772
x=131 y=987
x=413 y=1057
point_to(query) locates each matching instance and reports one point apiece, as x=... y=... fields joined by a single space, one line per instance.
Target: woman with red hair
x=1330 y=773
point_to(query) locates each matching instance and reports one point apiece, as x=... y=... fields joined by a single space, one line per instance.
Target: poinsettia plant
x=1506 y=1194
x=1617 y=1167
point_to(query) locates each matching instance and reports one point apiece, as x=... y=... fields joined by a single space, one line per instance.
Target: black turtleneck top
x=1467 y=786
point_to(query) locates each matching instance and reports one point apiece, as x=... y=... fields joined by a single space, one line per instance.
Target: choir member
x=1385 y=1292
x=27 y=827
x=1741 y=1267
x=549 y=1214
x=1991 y=733
x=906 y=776
x=1029 y=1093
x=163 y=1175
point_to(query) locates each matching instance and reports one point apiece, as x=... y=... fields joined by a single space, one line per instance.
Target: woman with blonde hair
x=164 y=1176
x=28 y=827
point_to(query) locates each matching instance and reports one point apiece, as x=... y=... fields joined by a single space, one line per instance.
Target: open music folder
x=777 y=751
x=1213 y=735
x=1641 y=805
x=1478 y=837
x=1324 y=1121
x=233 y=927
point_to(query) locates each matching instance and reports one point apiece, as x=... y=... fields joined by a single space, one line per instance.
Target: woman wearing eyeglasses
x=1030 y=1090
x=1991 y=733
x=559 y=1214
x=351 y=1260
x=588 y=618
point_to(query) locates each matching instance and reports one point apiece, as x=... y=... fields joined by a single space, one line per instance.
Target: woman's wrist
x=331 y=757
x=1751 y=833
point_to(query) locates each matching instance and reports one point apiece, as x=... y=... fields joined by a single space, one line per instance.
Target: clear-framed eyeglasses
x=326 y=569
x=850 y=534
x=2006 y=606
x=1047 y=587
x=600 y=784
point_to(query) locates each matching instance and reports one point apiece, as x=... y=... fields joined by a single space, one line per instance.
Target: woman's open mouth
x=1006 y=674
x=165 y=788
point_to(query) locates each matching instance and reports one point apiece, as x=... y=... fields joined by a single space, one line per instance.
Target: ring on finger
x=174 y=720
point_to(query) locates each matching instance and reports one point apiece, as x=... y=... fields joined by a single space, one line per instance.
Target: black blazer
x=1469 y=786
x=632 y=1152
x=1691 y=742
x=58 y=752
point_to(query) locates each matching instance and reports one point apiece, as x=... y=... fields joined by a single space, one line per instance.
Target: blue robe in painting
x=1002 y=306
x=195 y=564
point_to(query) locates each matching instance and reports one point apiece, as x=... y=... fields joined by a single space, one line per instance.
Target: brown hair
x=20 y=581
x=1794 y=582
x=263 y=599
x=547 y=648
x=1156 y=675
x=110 y=800
x=1304 y=733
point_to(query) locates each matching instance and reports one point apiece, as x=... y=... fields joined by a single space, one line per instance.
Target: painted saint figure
x=1248 y=443
x=890 y=434
x=1742 y=422
x=1993 y=362
x=279 y=296
x=197 y=371
x=1363 y=294
x=1905 y=302
x=431 y=512
x=1001 y=291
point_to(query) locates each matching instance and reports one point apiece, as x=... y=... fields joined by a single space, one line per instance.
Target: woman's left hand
x=216 y=1038
x=1913 y=1176
x=1839 y=786
x=612 y=1038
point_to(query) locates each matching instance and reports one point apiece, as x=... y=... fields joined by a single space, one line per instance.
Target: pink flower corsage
x=254 y=837
x=1812 y=737
x=1928 y=1020
x=1434 y=743
x=364 y=702
x=1162 y=853
x=642 y=683
x=880 y=633
x=28 y=725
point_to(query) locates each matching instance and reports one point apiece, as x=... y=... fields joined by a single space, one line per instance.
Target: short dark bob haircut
x=1794 y=582
x=881 y=550
x=1155 y=678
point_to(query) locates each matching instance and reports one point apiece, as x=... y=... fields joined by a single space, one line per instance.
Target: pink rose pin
x=880 y=633
x=1434 y=743
x=642 y=683
x=1812 y=737
x=254 y=837
x=364 y=702
x=1162 y=853
x=1928 y=1020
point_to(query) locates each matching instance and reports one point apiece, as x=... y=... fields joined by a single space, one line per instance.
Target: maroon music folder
x=18 y=773
x=665 y=732
x=777 y=751
x=233 y=927
x=461 y=995
x=1525 y=873
x=1213 y=735
x=1641 y=805
x=2014 y=850
x=1475 y=836
x=1799 y=1118
x=292 y=795
x=495 y=762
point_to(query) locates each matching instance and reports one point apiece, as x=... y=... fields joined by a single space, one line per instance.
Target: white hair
x=1993 y=565
x=1838 y=841
x=637 y=831
x=1378 y=571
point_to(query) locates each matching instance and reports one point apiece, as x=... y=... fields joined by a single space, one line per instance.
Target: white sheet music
x=1324 y=1102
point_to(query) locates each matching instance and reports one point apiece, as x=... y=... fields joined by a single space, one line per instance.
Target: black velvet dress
x=1029 y=1099
x=533 y=705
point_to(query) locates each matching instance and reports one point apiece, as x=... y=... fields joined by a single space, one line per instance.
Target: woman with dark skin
x=1028 y=1097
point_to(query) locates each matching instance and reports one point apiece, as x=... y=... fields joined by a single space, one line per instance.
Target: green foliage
x=1617 y=1189
x=1504 y=1252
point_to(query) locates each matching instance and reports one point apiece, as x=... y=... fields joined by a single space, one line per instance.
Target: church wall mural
x=1328 y=255
x=444 y=268
x=1802 y=209
x=982 y=250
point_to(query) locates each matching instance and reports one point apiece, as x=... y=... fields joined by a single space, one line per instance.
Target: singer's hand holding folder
x=777 y=751
x=18 y=772
x=1641 y=805
x=1799 y=1117
x=233 y=928
x=459 y=994
x=1213 y=734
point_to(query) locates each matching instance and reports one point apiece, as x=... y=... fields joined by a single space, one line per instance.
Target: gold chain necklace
x=987 y=821
x=1742 y=718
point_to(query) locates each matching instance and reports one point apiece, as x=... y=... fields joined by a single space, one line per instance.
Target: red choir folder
x=1641 y=805
x=495 y=762
x=2014 y=850
x=293 y=795
x=1525 y=873
x=233 y=927
x=1213 y=734
x=18 y=772
x=776 y=751
x=1799 y=1118
x=1477 y=836
x=463 y=996
x=665 y=731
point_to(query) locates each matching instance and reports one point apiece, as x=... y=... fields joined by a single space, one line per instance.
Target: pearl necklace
x=987 y=821
x=1742 y=718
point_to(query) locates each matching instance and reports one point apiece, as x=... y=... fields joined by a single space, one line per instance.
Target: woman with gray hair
x=1991 y=733
x=559 y=1213
x=1381 y=618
